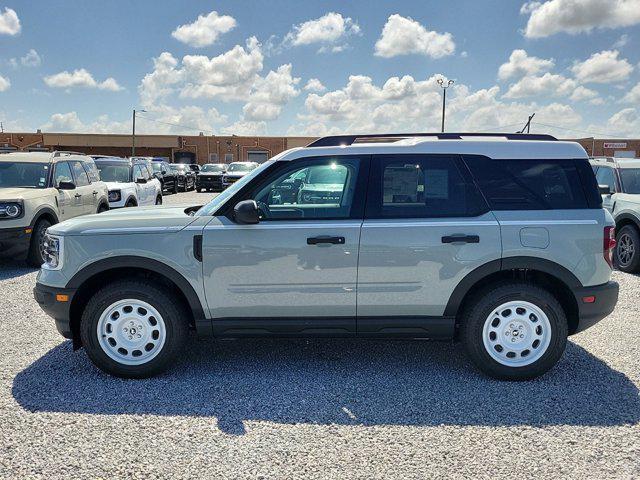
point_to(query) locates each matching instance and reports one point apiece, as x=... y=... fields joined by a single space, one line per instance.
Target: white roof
x=496 y=148
x=616 y=162
x=40 y=157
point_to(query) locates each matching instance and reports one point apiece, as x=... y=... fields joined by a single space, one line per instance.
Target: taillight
x=609 y=244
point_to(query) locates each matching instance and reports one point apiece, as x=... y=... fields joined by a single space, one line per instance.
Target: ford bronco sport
x=39 y=189
x=499 y=241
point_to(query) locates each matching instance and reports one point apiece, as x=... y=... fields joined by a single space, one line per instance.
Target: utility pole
x=1 y=128
x=444 y=96
x=133 y=133
x=527 y=126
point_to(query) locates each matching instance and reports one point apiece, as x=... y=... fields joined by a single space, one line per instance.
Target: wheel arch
x=627 y=219
x=555 y=278
x=47 y=213
x=97 y=274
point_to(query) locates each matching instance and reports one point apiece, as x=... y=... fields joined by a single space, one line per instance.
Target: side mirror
x=141 y=180
x=246 y=212
x=604 y=189
x=66 y=185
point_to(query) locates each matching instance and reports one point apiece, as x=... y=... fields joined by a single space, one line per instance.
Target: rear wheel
x=130 y=203
x=627 y=255
x=132 y=329
x=159 y=200
x=35 y=256
x=514 y=331
x=102 y=208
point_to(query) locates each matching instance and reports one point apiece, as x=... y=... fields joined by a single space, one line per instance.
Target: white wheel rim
x=516 y=333
x=131 y=332
x=625 y=249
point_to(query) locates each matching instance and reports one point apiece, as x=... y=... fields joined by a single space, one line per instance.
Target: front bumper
x=50 y=302
x=14 y=241
x=606 y=297
x=214 y=183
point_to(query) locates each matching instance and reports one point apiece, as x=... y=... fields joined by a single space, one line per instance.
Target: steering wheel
x=263 y=208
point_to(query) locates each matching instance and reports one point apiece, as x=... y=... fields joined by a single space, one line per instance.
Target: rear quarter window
x=534 y=184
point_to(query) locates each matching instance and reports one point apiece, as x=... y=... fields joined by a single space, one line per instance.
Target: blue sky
x=310 y=68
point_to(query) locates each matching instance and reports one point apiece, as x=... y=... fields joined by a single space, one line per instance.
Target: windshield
x=630 y=180
x=211 y=207
x=212 y=168
x=23 y=175
x=241 y=167
x=157 y=166
x=114 y=172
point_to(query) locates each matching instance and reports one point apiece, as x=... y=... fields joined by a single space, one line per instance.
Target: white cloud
x=625 y=122
x=621 y=42
x=80 y=78
x=548 y=84
x=405 y=103
x=330 y=29
x=205 y=30
x=403 y=36
x=632 y=96
x=9 y=22
x=248 y=128
x=520 y=64
x=583 y=93
x=314 y=85
x=5 y=84
x=31 y=59
x=160 y=82
x=70 y=122
x=576 y=16
x=602 y=67
x=270 y=94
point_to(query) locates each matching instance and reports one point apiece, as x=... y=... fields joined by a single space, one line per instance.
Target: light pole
x=133 y=133
x=444 y=96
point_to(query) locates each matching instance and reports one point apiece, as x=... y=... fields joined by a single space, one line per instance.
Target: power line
x=580 y=131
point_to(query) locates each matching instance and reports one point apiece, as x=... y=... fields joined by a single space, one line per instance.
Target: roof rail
x=338 y=140
x=59 y=153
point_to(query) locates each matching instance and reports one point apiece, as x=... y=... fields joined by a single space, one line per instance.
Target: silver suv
x=499 y=241
x=619 y=183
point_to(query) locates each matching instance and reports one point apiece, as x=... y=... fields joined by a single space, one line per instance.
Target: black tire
x=102 y=208
x=175 y=187
x=160 y=298
x=480 y=308
x=626 y=255
x=159 y=200
x=130 y=203
x=34 y=257
x=199 y=190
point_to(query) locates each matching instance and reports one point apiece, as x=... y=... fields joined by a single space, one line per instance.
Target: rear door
x=426 y=227
x=69 y=205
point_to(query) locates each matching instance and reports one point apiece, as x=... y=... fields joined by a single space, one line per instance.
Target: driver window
x=63 y=173
x=313 y=189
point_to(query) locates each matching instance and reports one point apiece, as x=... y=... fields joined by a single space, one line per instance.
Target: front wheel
x=514 y=331
x=627 y=257
x=132 y=329
x=35 y=257
x=159 y=200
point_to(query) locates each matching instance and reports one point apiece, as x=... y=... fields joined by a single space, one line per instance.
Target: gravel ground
x=316 y=409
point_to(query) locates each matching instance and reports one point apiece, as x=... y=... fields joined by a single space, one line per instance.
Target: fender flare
x=508 y=263
x=628 y=216
x=44 y=211
x=132 y=261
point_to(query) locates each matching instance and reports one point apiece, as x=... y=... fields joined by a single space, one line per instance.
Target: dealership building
x=219 y=149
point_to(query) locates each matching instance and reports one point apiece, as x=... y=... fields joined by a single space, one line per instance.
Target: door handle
x=461 y=239
x=325 y=239
x=95 y=192
x=77 y=195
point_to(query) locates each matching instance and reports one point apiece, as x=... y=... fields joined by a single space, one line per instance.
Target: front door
x=84 y=190
x=295 y=271
x=69 y=205
x=142 y=190
x=426 y=227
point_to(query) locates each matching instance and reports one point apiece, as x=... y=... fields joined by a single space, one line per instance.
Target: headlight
x=10 y=209
x=52 y=252
x=114 y=195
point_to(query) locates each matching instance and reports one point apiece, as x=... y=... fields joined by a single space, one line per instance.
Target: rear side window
x=421 y=186
x=79 y=174
x=92 y=171
x=529 y=184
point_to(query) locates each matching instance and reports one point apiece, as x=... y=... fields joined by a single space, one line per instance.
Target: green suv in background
x=619 y=183
x=499 y=241
x=40 y=189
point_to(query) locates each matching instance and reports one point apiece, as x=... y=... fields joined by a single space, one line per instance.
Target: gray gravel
x=316 y=409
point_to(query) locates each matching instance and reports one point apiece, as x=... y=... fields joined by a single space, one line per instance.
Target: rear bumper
x=58 y=310
x=606 y=297
x=14 y=241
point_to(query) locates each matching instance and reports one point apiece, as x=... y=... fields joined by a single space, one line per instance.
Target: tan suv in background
x=39 y=189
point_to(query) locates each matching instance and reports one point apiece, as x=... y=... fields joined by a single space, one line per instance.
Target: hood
x=118 y=185
x=628 y=197
x=153 y=219
x=211 y=174
x=16 y=193
x=235 y=174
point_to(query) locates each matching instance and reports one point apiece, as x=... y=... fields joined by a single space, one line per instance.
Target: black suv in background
x=210 y=177
x=163 y=172
x=185 y=178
